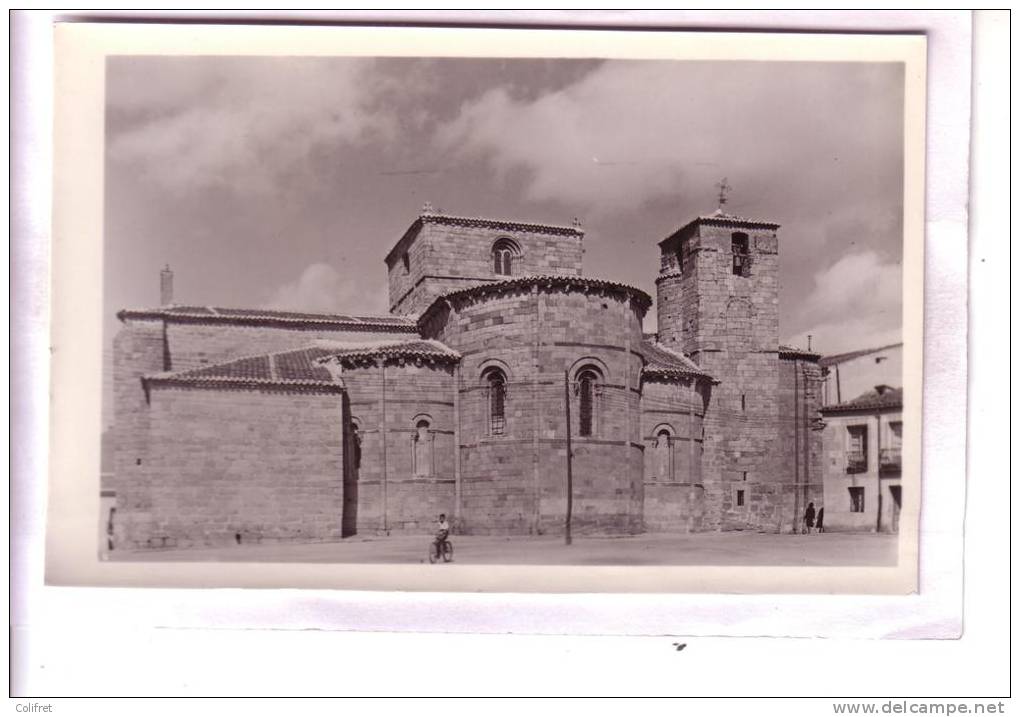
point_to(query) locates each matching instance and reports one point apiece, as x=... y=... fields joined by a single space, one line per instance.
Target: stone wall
x=798 y=452
x=515 y=481
x=228 y=466
x=388 y=401
x=673 y=488
x=444 y=258
x=139 y=348
x=147 y=346
x=728 y=323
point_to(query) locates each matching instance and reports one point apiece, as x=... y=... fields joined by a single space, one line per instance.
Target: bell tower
x=718 y=302
x=718 y=287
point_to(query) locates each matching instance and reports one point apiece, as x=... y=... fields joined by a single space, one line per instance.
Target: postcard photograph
x=468 y=312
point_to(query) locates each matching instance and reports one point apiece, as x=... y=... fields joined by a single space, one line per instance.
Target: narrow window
x=745 y=476
x=422 y=454
x=740 y=498
x=856 y=499
x=662 y=462
x=743 y=402
x=496 y=386
x=356 y=446
x=407 y=263
x=741 y=248
x=857 y=449
x=586 y=382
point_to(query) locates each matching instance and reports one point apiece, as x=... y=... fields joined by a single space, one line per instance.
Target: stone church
x=250 y=425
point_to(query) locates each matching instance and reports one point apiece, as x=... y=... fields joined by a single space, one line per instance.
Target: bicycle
x=440 y=549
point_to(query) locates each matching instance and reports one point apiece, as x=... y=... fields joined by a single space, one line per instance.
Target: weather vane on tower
x=724 y=189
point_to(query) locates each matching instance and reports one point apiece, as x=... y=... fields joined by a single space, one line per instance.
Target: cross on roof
x=724 y=187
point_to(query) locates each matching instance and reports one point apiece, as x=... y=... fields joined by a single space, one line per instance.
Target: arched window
x=503 y=253
x=421 y=441
x=587 y=390
x=495 y=381
x=663 y=467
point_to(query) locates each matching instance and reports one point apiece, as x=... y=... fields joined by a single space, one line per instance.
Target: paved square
x=736 y=548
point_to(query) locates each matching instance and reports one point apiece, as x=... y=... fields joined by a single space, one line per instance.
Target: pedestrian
x=809 y=517
x=819 y=521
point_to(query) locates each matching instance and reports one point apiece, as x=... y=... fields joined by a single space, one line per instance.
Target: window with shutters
x=857 y=449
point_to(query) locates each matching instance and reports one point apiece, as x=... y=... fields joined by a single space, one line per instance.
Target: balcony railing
x=856 y=462
x=889 y=461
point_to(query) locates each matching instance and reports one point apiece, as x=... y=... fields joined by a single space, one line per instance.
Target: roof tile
x=542 y=280
x=212 y=314
x=301 y=367
x=663 y=361
x=414 y=349
x=786 y=351
x=721 y=218
x=887 y=398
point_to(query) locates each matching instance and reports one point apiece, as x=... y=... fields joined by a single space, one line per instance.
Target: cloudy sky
x=283 y=182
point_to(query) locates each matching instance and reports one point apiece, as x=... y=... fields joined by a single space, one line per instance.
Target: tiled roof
x=851 y=355
x=721 y=218
x=506 y=225
x=300 y=367
x=887 y=398
x=264 y=317
x=662 y=361
x=502 y=224
x=427 y=349
x=546 y=280
x=293 y=368
x=794 y=352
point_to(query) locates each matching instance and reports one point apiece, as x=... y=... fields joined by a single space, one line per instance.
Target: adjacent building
x=850 y=374
x=863 y=461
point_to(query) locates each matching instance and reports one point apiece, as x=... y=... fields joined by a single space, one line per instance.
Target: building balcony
x=889 y=461
x=856 y=462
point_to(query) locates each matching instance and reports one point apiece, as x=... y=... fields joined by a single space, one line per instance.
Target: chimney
x=166 y=286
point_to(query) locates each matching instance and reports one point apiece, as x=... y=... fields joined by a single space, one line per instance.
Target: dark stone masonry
x=249 y=425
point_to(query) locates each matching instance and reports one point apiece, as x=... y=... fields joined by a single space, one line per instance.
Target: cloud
x=855 y=303
x=321 y=288
x=244 y=125
x=629 y=132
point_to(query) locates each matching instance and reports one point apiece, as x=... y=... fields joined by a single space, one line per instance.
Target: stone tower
x=440 y=253
x=718 y=302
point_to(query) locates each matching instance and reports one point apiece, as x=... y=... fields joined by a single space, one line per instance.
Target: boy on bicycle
x=444 y=530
